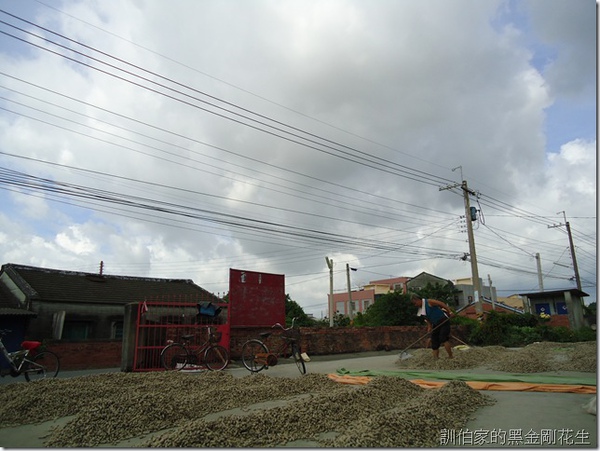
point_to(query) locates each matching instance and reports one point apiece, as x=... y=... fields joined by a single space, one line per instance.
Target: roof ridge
x=17 y=266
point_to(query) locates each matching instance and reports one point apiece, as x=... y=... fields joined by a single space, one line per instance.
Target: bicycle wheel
x=216 y=358
x=174 y=357
x=298 y=358
x=254 y=355
x=42 y=365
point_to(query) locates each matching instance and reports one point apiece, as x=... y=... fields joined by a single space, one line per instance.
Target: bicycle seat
x=187 y=337
x=265 y=334
x=31 y=345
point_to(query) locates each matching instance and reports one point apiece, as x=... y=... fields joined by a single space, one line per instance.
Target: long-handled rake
x=458 y=339
x=405 y=355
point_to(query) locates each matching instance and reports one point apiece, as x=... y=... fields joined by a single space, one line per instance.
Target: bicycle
x=256 y=355
x=28 y=361
x=177 y=356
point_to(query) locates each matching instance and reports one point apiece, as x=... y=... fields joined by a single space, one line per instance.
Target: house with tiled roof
x=470 y=310
x=73 y=305
x=13 y=318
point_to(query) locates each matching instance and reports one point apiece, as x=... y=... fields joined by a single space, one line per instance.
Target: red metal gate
x=163 y=319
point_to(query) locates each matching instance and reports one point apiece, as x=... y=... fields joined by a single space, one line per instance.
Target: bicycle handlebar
x=283 y=328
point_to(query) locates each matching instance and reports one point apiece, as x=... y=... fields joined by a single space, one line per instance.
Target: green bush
x=522 y=320
x=471 y=326
x=521 y=336
x=492 y=330
x=585 y=334
x=559 y=334
x=509 y=329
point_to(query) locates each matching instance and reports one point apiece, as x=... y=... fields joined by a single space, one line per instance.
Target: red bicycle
x=256 y=355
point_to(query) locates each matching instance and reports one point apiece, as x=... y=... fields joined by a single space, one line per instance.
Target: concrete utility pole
x=492 y=297
x=539 y=271
x=331 y=303
x=573 y=257
x=349 y=291
x=472 y=252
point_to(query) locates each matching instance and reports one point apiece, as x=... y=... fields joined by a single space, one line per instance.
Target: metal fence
x=166 y=319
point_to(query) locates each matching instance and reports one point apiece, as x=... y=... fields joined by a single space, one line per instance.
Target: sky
x=181 y=139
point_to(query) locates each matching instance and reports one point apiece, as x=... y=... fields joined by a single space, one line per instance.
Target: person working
x=437 y=315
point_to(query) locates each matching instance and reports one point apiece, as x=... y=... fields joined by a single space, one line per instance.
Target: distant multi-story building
x=361 y=299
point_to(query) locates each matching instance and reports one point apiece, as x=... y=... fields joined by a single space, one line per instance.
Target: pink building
x=363 y=298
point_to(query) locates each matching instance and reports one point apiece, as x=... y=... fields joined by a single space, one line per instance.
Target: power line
x=350 y=154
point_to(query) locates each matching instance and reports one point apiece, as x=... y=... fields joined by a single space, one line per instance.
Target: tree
x=590 y=309
x=294 y=310
x=445 y=293
x=391 y=309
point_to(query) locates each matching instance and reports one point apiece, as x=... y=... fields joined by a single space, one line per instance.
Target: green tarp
x=531 y=378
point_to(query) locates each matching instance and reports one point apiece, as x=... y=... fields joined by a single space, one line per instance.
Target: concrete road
x=521 y=419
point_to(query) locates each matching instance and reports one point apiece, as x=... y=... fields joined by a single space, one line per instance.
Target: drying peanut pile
x=534 y=358
x=216 y=409
x=178 y=410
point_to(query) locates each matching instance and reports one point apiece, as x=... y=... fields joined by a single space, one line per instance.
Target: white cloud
x=75 y=241
x=572 y=175
x=418 y=86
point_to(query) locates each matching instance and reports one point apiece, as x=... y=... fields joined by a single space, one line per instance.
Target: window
x=76 y=330
x=116 y=330
x=366 y=304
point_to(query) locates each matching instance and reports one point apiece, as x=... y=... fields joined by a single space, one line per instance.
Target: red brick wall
x=87 y=355
x=559 y=320
x=314 y=341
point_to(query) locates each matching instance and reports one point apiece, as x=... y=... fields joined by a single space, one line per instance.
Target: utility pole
x=539 y=271
x=331 y=303
x=473 y=254
x=573 y=257
x=349 y=291
x=492 y=297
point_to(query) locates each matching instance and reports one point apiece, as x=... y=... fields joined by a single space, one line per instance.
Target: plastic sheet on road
x=497 y=382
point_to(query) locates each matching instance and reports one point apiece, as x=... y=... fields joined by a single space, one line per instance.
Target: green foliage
x=590 y=309
x=559 y=334
x=511 y=329
x=585 y=334
x=340 y=320
x=492 y=330
x=521 y=336
x=471 y=325
x=445 y=293
x=563 y=334
x=359 y=320
x=294 y=310
x=391 y=309
x=521 y=319
x=321 y=322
